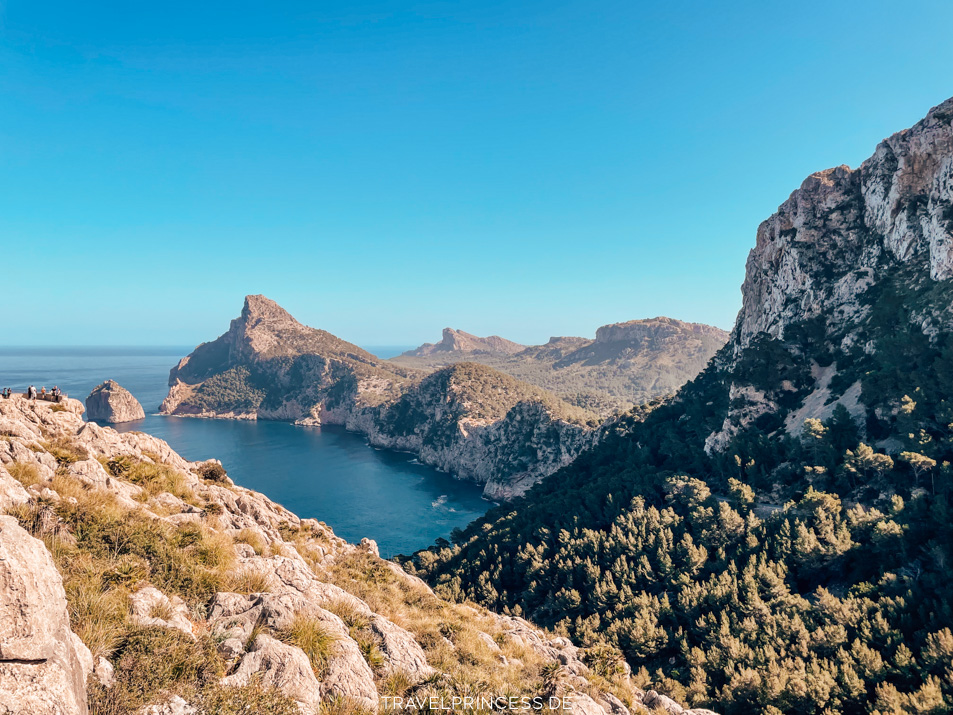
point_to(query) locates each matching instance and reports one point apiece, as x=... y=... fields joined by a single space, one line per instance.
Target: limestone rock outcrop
x=820 y=263
x=41 y=660
x=626 y=365
x=111 y=403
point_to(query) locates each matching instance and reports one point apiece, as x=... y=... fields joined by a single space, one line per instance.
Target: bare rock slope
x=194 y=595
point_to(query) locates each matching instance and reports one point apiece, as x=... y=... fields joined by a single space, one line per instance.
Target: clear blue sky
x=385 y=169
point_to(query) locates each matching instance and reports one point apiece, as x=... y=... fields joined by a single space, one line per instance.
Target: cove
x=325 y=473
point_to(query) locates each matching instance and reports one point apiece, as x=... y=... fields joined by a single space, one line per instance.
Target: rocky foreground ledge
x=135 y=581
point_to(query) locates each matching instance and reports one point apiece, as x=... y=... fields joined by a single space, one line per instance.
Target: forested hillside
x=779 y=537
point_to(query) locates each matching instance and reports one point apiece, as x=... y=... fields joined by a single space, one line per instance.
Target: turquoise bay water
x=326 y=473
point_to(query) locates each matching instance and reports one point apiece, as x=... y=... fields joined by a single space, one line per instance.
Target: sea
x=325 y=473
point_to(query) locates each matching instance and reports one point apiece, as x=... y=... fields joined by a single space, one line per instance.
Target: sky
x=386 y=169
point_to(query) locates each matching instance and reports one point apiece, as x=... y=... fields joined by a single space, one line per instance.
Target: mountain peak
x=259 y=308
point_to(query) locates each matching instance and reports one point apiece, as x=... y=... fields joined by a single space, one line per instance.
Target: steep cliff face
x=627 y=364
x=824 y=267
x=466 y=419
x=194 y=595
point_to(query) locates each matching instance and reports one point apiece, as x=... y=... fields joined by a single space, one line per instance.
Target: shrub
x=371 y=652
x=253 y=539
x=65 y=451
x=156 y=478
x=120 y=466
x=212 y=472
x=352 y=616
x=250 y=699
x=154 y=663
x=98 y=611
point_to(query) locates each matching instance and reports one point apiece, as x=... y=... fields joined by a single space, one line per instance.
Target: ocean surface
x=326 y=473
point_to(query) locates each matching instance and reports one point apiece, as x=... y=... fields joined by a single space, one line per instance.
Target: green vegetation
x=152 y=664
x=450 y=636
x=434 y=407
x=228 y=391
x=26 y=474
x=213 y=472
x=802 y=573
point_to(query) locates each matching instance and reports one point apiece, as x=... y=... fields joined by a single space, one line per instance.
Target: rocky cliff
x=112 y=403
x=627 y=364
x=777 y=538
x=848 y=254
x=145 y=583
x=467 y=419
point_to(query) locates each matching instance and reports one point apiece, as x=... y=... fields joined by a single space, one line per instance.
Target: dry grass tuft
x=247 y=581
x=253 y=539
x=312 y=636
x=26 y=474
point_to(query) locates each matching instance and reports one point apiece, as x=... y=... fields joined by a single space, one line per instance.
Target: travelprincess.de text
x=471 y=702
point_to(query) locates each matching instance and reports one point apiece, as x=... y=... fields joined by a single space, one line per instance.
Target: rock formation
x=457 y=341
x=112 y=403
x=43 y=665
x=467 y=419
x=822 y=261
x=194 y=592
x=627 y=364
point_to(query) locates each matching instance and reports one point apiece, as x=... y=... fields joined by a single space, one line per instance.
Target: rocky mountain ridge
x=796 y=496
x=467 y=419
x=135 y=581
x=627 y=364
x=459 y=341
x=821 y=263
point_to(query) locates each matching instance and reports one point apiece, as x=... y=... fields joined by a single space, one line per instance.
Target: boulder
x=403 y=653
x=281 y=666
x=110 y=402
x=663 y=703
x=41 y=671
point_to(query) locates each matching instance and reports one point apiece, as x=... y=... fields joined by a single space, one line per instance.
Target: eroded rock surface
x=41 y=661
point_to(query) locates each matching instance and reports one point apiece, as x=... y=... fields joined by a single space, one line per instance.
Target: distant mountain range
x=627 y=364
x=457 y=341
